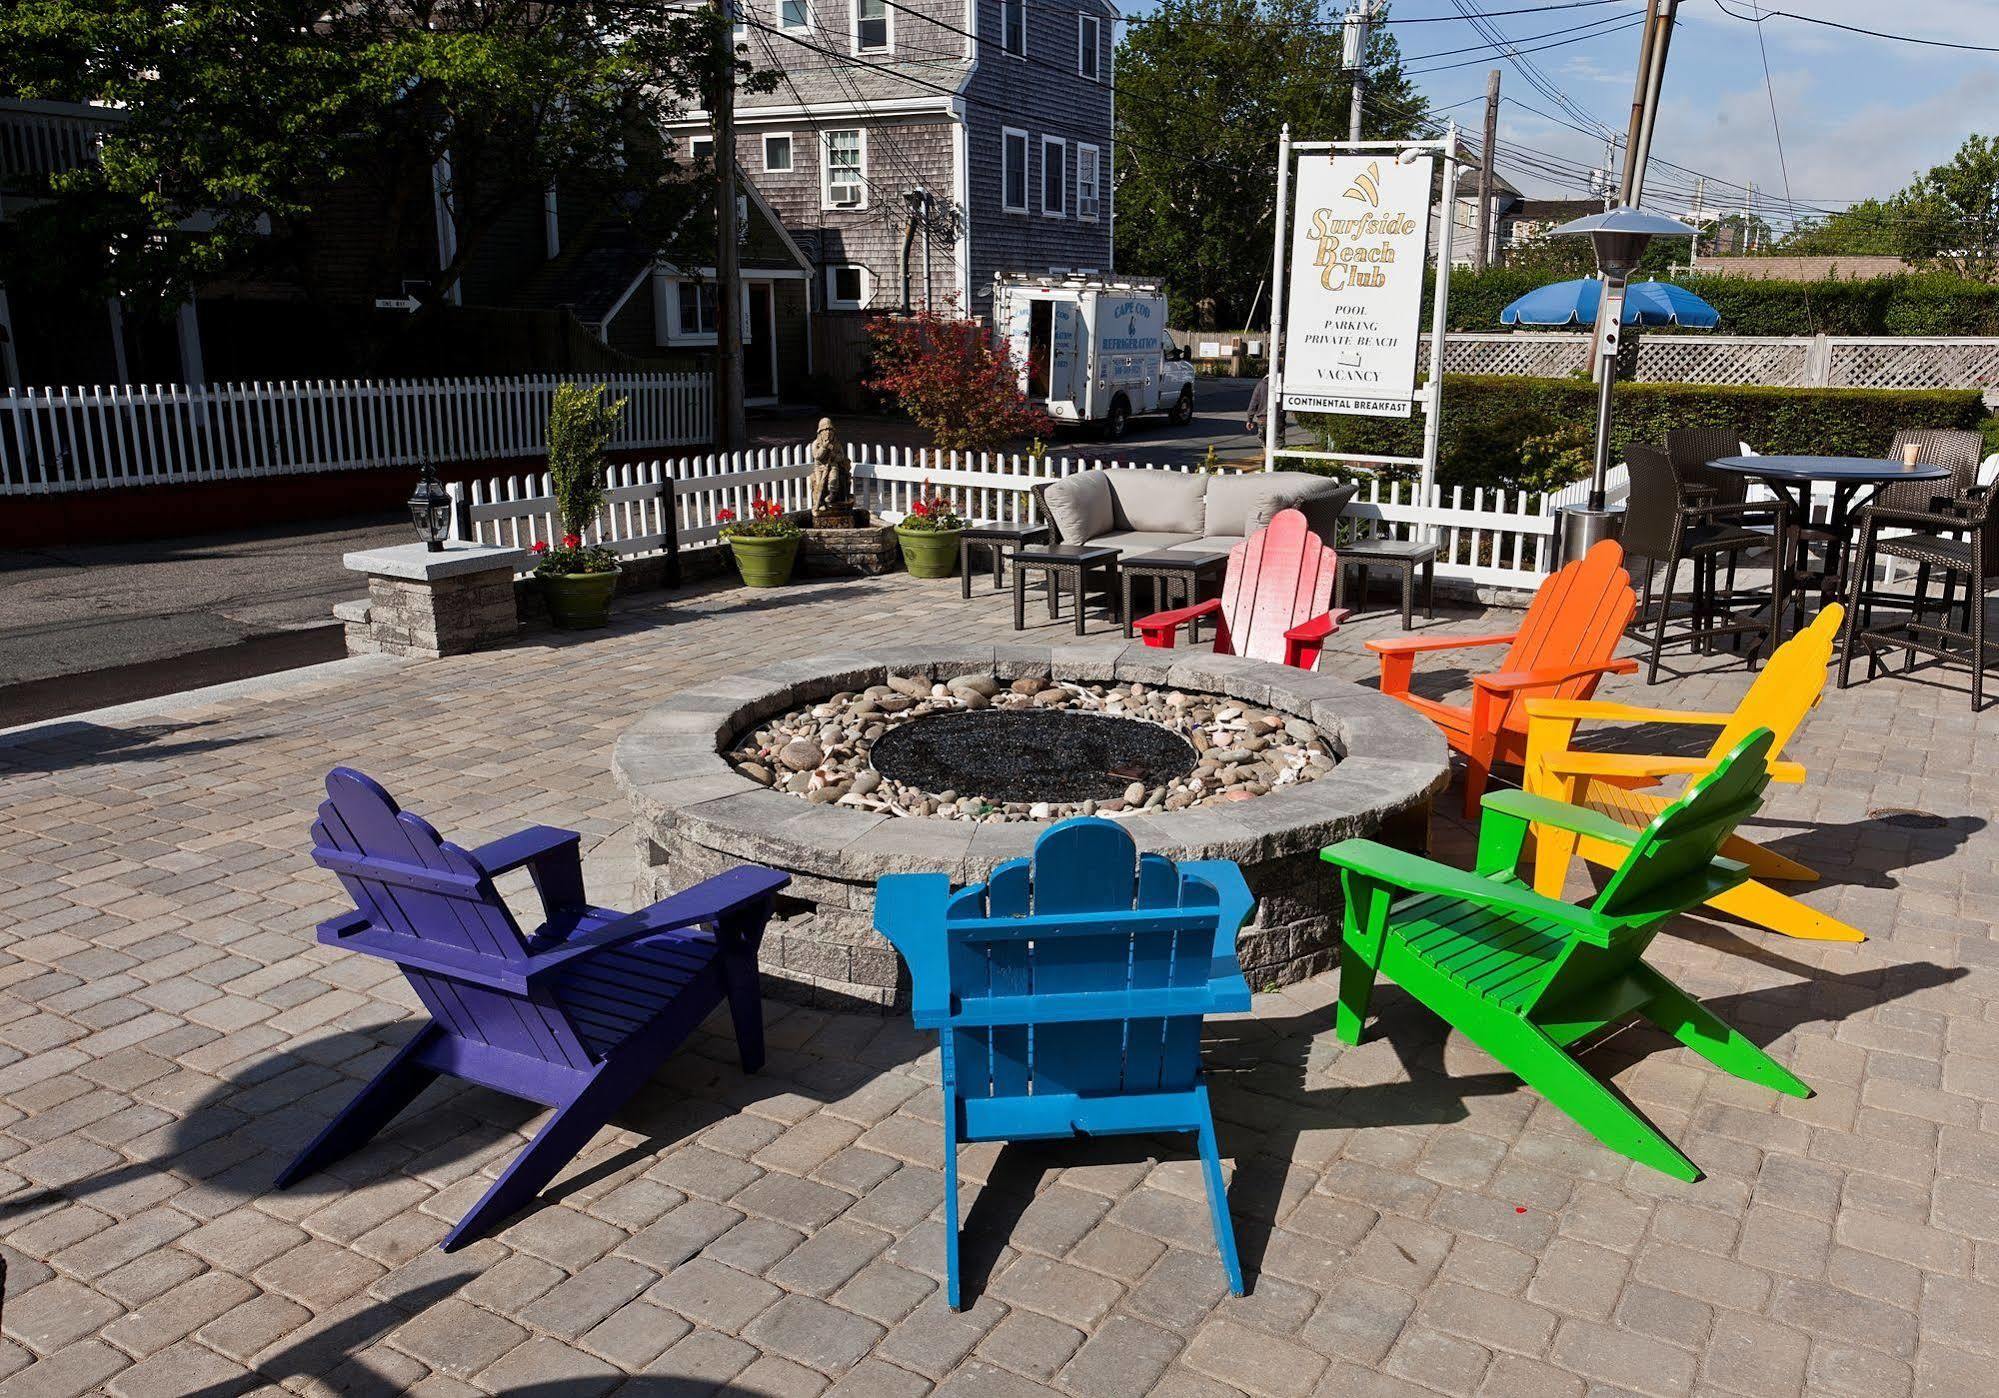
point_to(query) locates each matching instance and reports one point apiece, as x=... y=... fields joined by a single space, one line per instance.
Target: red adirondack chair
x=1276 y=598
x=1563 y=647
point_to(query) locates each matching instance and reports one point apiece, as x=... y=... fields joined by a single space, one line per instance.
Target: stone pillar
x=430 y=604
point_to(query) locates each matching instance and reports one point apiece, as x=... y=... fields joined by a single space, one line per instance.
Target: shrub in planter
x=578 y=581
x=928 y=537
x=764 y=546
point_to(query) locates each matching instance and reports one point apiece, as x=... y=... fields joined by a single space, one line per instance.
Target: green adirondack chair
x=1524 y=976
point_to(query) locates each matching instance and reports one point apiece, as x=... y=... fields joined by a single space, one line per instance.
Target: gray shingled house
x=913 y=148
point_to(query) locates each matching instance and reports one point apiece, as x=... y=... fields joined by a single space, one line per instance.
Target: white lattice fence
x=1771 y=361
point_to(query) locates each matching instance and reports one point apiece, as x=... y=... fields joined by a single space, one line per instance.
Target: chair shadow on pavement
x=1263 y=1107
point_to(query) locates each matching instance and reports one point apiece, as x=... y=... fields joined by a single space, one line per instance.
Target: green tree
x=1204 y=87
x=1949 y=218
x=1868 y=228
x=241 y=115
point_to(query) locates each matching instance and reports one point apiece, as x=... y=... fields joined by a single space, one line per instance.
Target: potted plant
x=928 y=536
x=577 y=581
x=765 y=545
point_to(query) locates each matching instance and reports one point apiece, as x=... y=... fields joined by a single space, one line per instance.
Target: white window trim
x=696 y=136
x=826 y=169
x=1026 y=171
x=867 y=288
x=1094 y=24
x=1020 y=5
x=1046 y=212
x=674 y=283
x=770 y=136
x=811 y=19
x=854 y=26
x=1097 y=170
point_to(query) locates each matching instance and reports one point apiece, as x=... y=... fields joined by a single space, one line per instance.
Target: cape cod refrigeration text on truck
x=1092 y=350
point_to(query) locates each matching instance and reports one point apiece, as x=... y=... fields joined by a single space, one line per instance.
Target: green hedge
x=1487 y=419
x=1925 y=304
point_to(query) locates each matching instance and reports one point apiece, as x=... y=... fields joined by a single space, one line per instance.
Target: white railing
x=47 y=138
x=65 y=439
x=1487 y=537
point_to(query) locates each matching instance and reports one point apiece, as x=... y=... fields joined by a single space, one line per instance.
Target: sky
x=1859 y=116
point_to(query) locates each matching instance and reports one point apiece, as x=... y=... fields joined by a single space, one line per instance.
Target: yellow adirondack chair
x=1787 y=690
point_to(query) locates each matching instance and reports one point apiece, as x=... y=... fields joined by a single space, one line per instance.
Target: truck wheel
x=1183 y=408
x=1119 y=419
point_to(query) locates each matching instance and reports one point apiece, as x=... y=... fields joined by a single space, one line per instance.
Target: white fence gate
x=65 y=439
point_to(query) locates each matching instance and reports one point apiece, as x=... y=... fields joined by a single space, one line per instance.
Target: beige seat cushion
x=1165 y=502
x=1134 y=541
x=1241 y=505
x=1080 y=507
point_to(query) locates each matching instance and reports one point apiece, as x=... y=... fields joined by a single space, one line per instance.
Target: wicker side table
x=1170 y=572
x=996 y=539
x=1403 y=555
x=1069 y=564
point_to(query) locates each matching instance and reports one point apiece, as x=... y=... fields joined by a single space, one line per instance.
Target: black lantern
x=430 y=510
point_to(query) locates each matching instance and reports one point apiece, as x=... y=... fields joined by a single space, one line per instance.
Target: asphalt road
x=85 y=627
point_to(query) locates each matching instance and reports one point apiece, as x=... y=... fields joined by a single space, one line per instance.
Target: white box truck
x=1092 y=350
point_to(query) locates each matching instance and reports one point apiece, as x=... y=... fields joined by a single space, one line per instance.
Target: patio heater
x=430 y=510
x=1619 y=238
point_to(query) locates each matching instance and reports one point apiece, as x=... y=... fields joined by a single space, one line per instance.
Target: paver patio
x=1411 y=1219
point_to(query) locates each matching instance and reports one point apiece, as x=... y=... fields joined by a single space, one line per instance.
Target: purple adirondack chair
x=576 y=1016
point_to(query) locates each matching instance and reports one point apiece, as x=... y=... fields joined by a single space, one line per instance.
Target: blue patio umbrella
x=1645 y=304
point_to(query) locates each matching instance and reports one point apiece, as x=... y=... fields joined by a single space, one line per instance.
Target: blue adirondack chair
x=576 y=1016
x=1069 y=991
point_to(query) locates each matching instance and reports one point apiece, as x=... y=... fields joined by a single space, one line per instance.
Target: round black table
x=1794 y=476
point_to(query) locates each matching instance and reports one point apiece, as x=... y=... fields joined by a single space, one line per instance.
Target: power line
x=1509 y=50
x=1855 y=29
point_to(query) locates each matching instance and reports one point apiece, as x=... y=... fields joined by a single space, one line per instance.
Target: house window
x=870 y=25
x=1013 y=27
x=846 y=169
x=1013 y=170
x=1054 y=176
x=1089 y=36
x=794 y=14
x=1087 y=162
x=846 y=288
x=696 y=313
x=700 y=147
x=777 y=151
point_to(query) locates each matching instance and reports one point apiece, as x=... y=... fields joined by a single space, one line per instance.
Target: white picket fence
x=1488 y=537
x=67 y=439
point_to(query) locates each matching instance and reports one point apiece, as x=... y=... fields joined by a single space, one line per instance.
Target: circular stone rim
x=671 y=767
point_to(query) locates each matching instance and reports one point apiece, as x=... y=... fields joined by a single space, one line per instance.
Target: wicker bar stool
x=1946 y=524
x=1691 y=449
x=1665 y=527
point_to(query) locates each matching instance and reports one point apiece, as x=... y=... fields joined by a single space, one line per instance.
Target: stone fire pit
x=1350 y=763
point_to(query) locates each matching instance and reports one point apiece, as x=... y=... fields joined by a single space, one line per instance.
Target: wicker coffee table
x=997 y=539
x=1060 y=564
x=1403 y=555
x=1170 y=572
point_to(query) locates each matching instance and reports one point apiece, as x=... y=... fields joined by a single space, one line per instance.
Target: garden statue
x=832 y=480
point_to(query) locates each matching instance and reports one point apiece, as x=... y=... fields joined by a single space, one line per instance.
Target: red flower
x=919 y=509
x=571 y=541
x=725 y=516
x=539 y=546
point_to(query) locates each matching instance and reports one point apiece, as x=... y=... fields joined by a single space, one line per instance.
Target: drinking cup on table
x=1910 y=451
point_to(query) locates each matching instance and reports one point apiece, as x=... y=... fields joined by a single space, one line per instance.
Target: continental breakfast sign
x=1357 y=251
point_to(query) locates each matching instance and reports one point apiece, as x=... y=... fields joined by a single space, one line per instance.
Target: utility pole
x=1482 y=252
x=730 y=429
x=1657 y=38
x=1353 y=54
x=1700 y=194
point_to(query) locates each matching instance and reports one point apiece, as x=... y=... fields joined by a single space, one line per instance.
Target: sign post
x=1349 y=272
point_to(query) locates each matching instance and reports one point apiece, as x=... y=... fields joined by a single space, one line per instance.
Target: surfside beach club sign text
x=1358 y=245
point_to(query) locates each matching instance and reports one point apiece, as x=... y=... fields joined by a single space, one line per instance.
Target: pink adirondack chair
x=1276 y=601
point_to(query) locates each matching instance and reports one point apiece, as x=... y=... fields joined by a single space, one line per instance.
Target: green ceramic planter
x=580 y=601
x=929 y=553
x=764 y=562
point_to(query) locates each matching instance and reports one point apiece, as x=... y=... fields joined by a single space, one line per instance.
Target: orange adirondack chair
x=1563 y=647
x=1276 y=601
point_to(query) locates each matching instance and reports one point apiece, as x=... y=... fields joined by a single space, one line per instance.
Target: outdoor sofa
x=1141 y=511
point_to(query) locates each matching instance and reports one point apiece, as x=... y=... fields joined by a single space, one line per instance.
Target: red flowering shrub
x=932 y=512
x=767 y=521
x=951 y=379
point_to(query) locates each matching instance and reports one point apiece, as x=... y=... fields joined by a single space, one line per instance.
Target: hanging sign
x=1358 y=245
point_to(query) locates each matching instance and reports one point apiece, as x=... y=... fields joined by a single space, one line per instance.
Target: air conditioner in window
x=846 y=196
